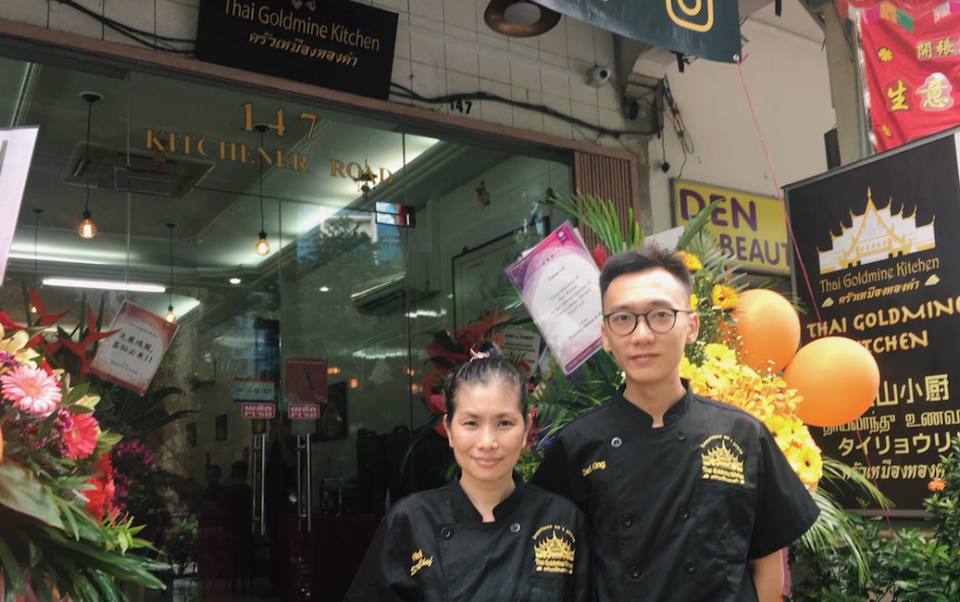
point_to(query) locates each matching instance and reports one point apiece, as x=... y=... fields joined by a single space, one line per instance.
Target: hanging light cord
x=36 y=240
x=262 y=221
x=171 y=264
x=86 y=207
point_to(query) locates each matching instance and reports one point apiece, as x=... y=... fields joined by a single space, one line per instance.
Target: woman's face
x=487 y=431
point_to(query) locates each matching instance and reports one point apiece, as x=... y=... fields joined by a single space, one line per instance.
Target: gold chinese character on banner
x=944 y=47
x=897 y=101
x=935 y=93
x=924 y=50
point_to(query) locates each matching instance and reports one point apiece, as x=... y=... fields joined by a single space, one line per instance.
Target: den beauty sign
x=750 y=227
x=879 y=242
x=341 y=45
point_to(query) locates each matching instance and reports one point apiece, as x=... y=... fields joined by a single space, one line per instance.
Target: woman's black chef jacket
x=676 y=511
x=434 y=546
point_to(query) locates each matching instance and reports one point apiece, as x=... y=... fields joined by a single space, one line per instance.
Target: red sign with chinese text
x=911 y=58
x=303 y=411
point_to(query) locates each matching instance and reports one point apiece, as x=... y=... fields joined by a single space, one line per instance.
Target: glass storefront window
x=340 y=282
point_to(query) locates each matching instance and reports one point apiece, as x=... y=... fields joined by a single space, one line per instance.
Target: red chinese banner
x=910 y=59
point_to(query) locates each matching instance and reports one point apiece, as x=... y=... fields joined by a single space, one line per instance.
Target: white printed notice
x=131 y=355
x=16 y=153
x=559 y=283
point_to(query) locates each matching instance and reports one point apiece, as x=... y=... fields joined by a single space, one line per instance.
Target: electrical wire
x=407 y=93
x=132 y=32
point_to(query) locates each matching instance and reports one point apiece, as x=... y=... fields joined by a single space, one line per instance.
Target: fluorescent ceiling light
x=111 y=285
x=31 y=257
x=235 y=281
x=66 y=251
x=324 y=289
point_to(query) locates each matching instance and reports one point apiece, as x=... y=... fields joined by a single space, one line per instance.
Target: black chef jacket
x=675 y=512
x=434 y=546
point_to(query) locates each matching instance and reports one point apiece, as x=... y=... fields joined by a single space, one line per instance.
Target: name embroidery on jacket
x=419 y=562
x=602 y=465
x=554 y=549
x=722 y=460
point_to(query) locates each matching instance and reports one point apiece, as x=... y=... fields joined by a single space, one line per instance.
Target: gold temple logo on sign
x=874 y=236
x=721 y=460
x=555 y=551
x=692 y=11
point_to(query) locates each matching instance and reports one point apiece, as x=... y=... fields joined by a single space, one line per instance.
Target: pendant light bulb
x=33 y=309
x=263 y=247
x=87 y=228
x=170 y=317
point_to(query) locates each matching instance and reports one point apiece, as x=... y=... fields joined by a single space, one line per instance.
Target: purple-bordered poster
x=559 y=283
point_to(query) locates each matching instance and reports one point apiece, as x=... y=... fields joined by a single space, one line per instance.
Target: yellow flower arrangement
x=692 y=262
x=694 y=301
x=724 y=297
x=722 y=377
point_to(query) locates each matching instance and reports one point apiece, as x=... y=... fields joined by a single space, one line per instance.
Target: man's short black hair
x=641 y=259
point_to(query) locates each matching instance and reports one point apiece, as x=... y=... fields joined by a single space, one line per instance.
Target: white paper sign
x=130 y=357
x=16 y=153
x=559 y=283
x=522 y=340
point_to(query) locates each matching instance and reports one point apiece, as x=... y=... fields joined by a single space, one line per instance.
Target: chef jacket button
x=515 y=528
x=684 y=513
x=634 y=572
x=690 y=568
x=627 y=520
x=446 y=533
x=681 y=436
x=616 y=442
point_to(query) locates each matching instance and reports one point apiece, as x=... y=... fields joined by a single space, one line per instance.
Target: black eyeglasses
x=660 y=321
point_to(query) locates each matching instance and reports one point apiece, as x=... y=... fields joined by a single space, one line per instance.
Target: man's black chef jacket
x=434 y=546
x=676 y=511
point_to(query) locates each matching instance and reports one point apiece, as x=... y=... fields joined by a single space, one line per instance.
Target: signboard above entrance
x=705 y=28
x=342 y=45
x=749 y=227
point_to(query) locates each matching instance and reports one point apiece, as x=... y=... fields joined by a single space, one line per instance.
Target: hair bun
x=489 y=347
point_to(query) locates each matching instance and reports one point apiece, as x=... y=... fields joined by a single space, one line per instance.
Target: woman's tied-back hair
x=489 y=365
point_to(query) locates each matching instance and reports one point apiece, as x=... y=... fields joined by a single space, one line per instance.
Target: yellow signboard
x=750 y=227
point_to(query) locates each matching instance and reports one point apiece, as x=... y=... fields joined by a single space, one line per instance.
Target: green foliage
x=907 y=565
x=601 y=217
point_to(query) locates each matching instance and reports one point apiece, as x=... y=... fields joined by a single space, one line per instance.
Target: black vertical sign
x=880 y=242
x=340 y=45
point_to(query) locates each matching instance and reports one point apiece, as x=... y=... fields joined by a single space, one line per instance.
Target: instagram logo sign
x=691 y=12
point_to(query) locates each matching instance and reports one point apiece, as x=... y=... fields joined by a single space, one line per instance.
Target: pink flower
x=81 y=439
x=31 y=389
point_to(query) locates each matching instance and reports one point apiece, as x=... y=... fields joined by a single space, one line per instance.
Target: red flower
x=468 y=336
x=534 y=430
x=100 y=498
x=599 y=255
x=81 y=440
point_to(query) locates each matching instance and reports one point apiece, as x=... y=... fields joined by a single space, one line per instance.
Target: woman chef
x=486 y=536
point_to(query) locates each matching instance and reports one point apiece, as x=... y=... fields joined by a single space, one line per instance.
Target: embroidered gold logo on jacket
x=602 y=465
x=554 y=549
x=722 y=460
x=419 y=562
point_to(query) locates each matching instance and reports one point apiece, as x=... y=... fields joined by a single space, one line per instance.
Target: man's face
x=649 y=358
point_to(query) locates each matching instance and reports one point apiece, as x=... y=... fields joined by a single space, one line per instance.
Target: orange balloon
x=837 y=378
x=769 y=329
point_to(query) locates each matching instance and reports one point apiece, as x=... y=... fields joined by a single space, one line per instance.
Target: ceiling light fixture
x=171 y=317
x=324 y=289
x=108 y=285
x=88 y=229
x=519 y=18
x=235 y=281
x=262 y=247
